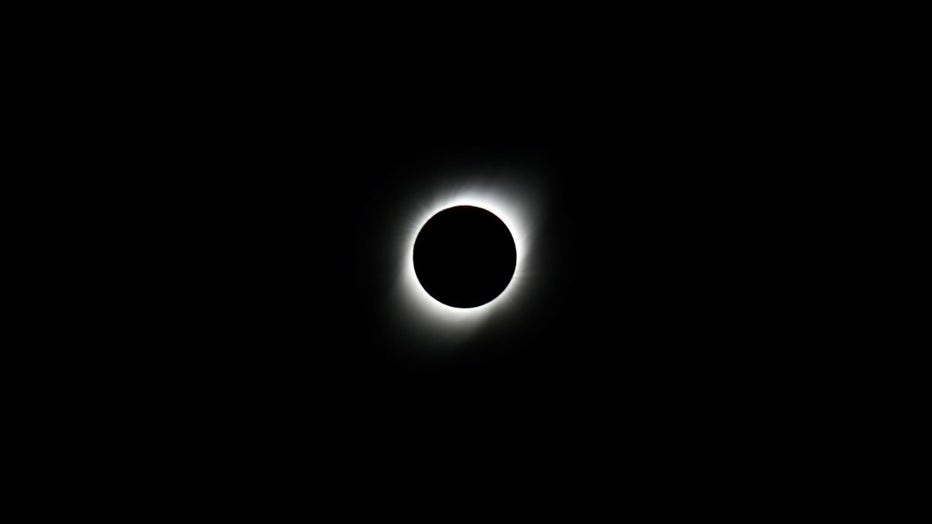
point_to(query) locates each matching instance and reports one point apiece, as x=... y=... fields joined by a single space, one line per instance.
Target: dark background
x=219 y=280
x=653 y=234
x=260 y=173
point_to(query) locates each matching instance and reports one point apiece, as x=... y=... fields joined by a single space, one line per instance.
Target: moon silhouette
x=464 y=256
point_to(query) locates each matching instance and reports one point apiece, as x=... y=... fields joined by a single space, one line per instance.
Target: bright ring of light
x=512 y=205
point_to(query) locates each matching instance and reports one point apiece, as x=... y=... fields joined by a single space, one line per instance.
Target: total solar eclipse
x=464 y=256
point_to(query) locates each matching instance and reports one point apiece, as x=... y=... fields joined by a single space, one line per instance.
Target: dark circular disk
x=464 y=256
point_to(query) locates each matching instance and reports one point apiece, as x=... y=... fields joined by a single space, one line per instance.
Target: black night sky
x=645 y=261
x=241 y=192
x=275 y=194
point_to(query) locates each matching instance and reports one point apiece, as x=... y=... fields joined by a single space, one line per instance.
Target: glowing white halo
x=515 y=206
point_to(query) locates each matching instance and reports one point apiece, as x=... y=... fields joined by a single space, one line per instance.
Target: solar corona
x=464 y=255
